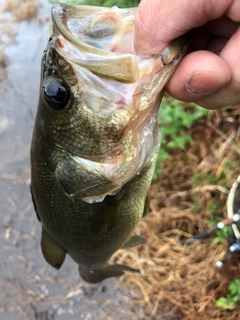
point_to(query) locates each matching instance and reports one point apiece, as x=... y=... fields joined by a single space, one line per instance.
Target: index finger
x=158 y=22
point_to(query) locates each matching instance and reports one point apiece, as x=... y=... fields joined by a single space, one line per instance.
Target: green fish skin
x=95 y=139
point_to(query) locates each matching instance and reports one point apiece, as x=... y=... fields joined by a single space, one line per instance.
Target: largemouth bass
x=96 y=137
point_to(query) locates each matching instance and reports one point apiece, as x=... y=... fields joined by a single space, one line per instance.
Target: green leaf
x=225 y=304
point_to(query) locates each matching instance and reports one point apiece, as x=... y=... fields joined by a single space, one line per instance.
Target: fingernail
x=204 y=83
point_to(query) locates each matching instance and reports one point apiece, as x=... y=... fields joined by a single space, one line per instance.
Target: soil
x=175 y=281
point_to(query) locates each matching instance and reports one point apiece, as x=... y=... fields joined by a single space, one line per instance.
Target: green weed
x=111 y=3
x=102 y=3
x=174 y=119
x=197 y=205
x=221 y=235
x=211 y=209
x=71 y=2
x=232 y=299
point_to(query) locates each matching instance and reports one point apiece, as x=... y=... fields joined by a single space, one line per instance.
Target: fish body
x=96 y=138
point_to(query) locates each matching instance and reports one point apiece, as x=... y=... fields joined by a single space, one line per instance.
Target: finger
x=203 y=37
x=222 y=27
x=159 y=22
x=229 y=94
x=211 y=81
x=199 y=75
x=231 y=55
x=234 y=10
x=216 y=44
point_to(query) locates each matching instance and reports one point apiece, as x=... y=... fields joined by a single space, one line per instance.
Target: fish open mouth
x=97 y=38
x=118 y=89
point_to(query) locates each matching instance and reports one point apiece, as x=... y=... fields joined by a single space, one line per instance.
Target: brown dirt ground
x=183 y=280
x=22 y=10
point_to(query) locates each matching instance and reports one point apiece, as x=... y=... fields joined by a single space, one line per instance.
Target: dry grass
x=183 y=280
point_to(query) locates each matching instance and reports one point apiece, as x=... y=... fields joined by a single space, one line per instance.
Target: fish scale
x=96 y=138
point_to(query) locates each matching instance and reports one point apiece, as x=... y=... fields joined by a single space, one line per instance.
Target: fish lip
x=58 y=10
x=99 y=60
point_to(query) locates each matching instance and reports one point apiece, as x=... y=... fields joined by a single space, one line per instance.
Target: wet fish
x=96 y=137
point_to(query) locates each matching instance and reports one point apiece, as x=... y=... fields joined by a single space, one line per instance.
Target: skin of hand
x=209 y=75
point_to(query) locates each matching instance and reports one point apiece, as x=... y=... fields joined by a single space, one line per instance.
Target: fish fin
x=77 y=178
x=53 y=253
x=147 y=205
x=134 y=241
x=34 y=204
x=94 y=276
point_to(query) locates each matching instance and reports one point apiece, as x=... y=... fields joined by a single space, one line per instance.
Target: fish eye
x=56 y=94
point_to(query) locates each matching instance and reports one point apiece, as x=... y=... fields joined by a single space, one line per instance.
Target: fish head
x=99 y=100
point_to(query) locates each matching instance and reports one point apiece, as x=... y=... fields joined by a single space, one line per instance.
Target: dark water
x=29 y=287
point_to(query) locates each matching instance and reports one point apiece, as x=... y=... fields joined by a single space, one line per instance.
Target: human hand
x=210 y=73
